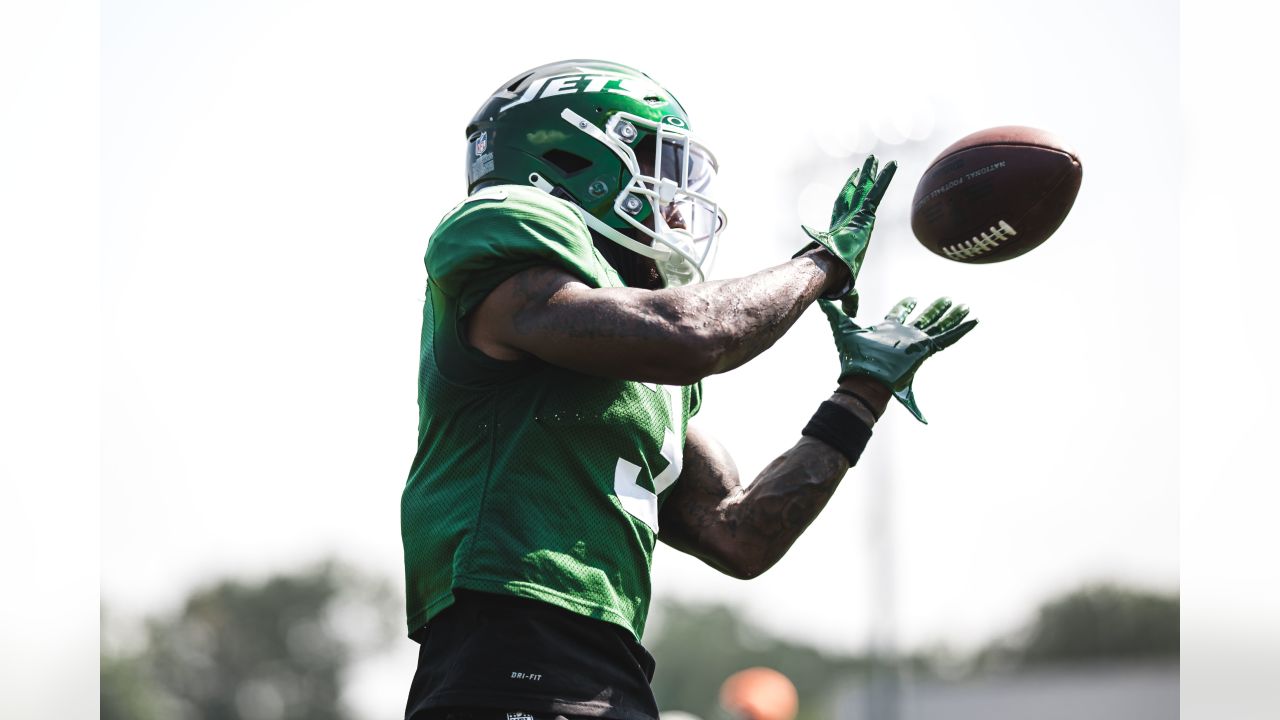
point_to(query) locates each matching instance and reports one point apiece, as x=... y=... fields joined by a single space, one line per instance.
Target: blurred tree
x=128 y=688
x=271 y=650
x=1096 y=622
x=127 y=691
x=1104 y=621
x=697 y=647
x=278 y=649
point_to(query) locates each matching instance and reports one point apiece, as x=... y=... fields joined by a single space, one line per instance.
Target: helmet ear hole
x=566 y=162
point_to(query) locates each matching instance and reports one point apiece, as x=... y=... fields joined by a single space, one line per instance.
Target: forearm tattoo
x=744 y=531
x=768 y=516
x=745 y=316
x=727 y=321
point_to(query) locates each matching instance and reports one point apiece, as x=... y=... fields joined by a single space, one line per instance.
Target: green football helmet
x=609 y=140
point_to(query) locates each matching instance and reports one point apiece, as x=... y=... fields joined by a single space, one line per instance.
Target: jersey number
x=638 y=501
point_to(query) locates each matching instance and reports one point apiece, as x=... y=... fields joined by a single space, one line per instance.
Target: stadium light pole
x=912 y=149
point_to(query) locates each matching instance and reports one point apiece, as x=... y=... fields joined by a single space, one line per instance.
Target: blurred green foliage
x=281 y=648
x=1096 y=622
x=697 y=647
x=127 y=688
x=277 y=649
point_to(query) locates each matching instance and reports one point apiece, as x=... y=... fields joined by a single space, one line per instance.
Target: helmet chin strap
x=674 y=266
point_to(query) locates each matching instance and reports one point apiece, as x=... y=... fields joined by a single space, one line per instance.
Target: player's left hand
x=892 y=351
x=853 y=217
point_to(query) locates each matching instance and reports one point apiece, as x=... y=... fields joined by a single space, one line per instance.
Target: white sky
x=271 y=172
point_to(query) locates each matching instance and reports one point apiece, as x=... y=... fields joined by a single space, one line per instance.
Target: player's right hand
x=853 y=216
x=893 y=350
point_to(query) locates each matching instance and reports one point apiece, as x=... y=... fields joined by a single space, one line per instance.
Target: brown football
x=995 y=194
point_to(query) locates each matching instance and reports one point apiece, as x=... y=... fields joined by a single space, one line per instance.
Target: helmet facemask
x=670 y=175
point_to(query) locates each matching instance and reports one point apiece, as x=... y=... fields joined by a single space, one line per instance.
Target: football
x=995 y=194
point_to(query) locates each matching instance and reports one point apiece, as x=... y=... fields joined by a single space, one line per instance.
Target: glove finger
x=948 y=321
x=854 y=194
x=870 y=167
x=840 y=323
x=870 y=170
x=849 y=303
x=834 y=316
x=900 y=311
x=932 y=313
x=950 y=337
x=846 y=200
x=877 y=190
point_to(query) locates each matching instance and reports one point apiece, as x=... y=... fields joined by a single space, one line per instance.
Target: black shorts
x=494 y=657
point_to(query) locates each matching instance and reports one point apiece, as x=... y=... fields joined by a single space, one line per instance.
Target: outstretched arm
x=743 y=531
x=673 y=336
x=678 y=336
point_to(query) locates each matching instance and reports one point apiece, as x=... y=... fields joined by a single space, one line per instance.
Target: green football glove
x=892 y=351
x=852 y=218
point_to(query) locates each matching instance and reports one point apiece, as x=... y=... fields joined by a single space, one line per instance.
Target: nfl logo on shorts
x=482 y=143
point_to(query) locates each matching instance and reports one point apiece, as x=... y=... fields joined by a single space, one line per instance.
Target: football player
x=567 y=326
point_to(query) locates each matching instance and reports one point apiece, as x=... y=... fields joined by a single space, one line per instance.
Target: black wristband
x=840 y=429
x=861 y=400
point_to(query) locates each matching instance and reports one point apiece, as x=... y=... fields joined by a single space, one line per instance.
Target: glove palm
x=892 y=351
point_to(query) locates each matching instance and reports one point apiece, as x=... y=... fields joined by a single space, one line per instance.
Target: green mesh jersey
x=530 y=479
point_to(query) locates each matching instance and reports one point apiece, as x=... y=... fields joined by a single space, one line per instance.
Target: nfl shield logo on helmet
x=482 y=142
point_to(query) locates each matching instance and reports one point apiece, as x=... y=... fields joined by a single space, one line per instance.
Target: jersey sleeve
x=500 y=231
